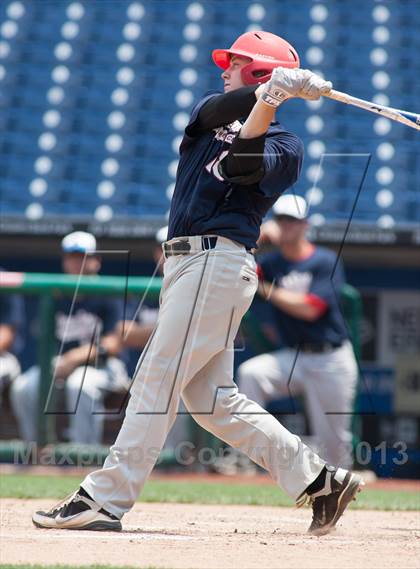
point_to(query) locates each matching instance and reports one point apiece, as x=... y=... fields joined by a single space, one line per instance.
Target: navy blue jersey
x=313 y=275
x=204 y=203
x=89 y=319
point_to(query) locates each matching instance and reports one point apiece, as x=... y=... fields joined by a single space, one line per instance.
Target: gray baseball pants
x=204 y=296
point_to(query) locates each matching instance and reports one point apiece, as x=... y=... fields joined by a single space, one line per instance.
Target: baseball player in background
x=85 y=331
x=235 y=161
x=11 y=323
x=303 y=282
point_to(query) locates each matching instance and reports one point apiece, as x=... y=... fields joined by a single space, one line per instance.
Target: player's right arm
x=303 y=306
x=299 y=305
x=109 y=345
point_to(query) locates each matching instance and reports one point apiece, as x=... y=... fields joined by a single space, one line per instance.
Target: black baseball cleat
x=338 y=487
x=77 y=511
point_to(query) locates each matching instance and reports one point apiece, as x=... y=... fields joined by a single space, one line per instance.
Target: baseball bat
x=409 y=119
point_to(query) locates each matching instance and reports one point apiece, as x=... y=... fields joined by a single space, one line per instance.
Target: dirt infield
x=212 y=537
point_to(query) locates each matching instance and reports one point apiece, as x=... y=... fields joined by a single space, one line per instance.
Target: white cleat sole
x=103 y=524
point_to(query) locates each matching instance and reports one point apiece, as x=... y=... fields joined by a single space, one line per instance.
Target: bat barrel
x=409 y=119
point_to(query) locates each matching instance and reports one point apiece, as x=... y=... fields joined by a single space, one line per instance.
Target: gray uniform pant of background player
x=9 y=370
x=85 y=390
x=190 y=355
x=328 y=382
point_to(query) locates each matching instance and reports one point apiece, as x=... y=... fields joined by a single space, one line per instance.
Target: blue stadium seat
x=168 y=56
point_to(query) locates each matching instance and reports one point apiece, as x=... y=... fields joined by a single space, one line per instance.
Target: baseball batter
x=235 y=161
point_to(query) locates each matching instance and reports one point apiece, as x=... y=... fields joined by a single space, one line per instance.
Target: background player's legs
x=9 y=370
x=203 y=300
x=213 y=399
x=85 y=391
x=24 y=396
x=330 y=389
x=270 y=376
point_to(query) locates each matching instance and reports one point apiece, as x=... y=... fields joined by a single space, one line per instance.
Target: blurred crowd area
x=95 y=96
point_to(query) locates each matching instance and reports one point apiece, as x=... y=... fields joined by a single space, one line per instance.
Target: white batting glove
x=287 y=83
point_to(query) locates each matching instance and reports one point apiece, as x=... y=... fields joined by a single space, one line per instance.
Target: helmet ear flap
x=260 y=73
x=253 y=74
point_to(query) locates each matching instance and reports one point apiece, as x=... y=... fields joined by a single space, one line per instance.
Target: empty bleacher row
x=94 y=97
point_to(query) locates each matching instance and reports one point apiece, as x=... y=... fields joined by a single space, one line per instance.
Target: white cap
x=79 y=242
x=291 y=205
x=162 y=235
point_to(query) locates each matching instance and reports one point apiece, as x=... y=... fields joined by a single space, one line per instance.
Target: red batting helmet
x=266 y=52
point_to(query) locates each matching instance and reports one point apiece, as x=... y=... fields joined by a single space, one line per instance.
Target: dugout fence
x=48 y=286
